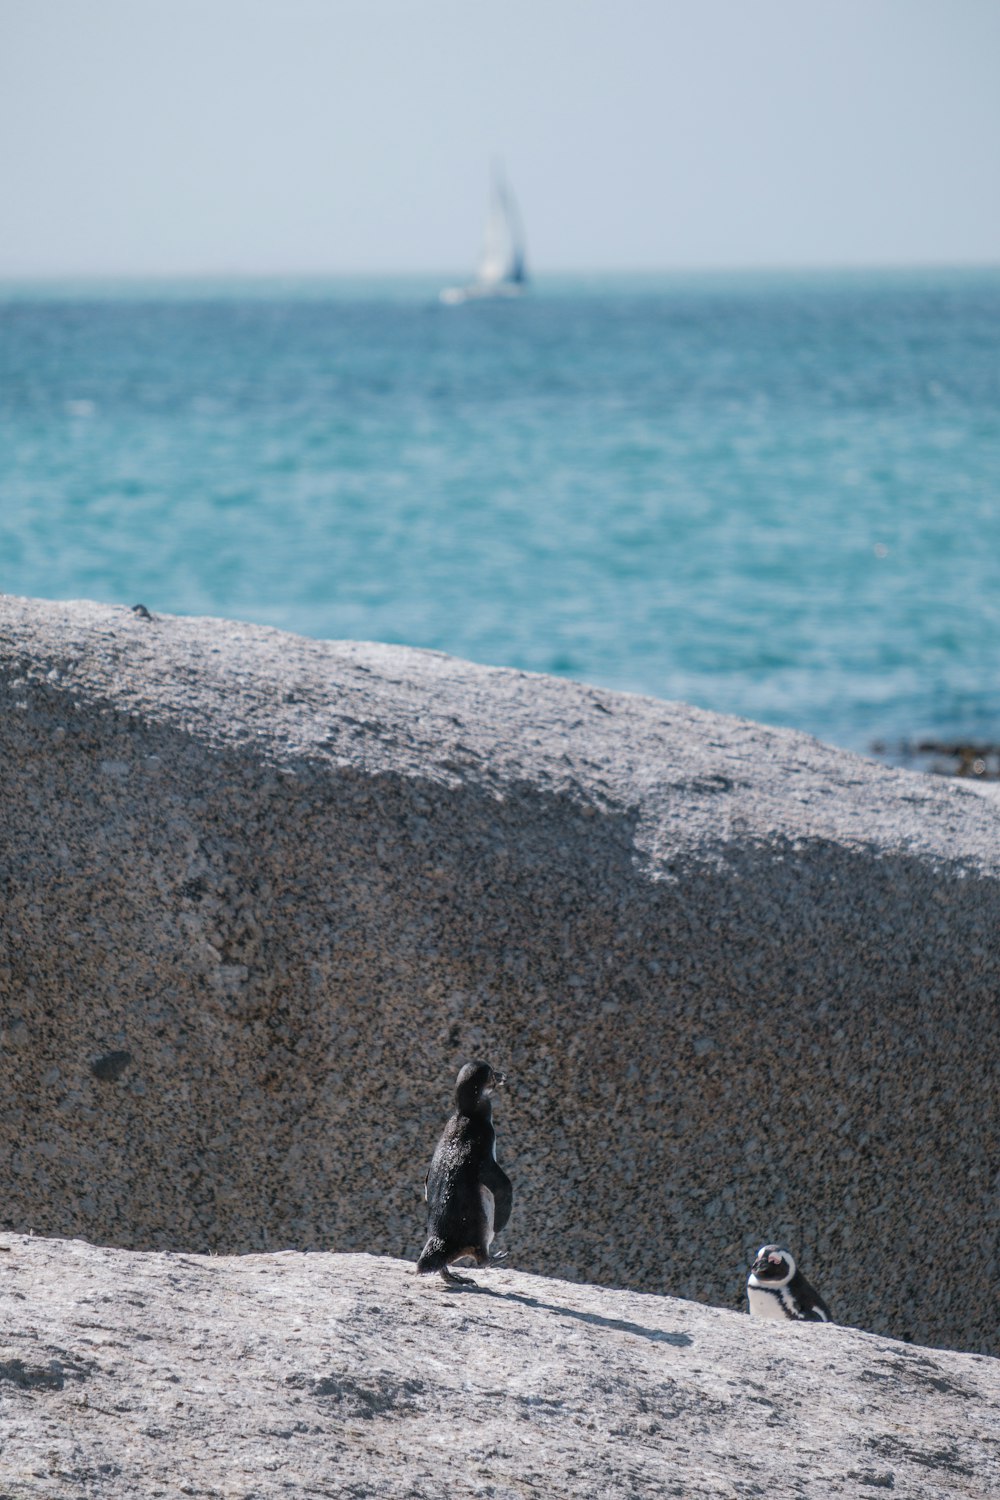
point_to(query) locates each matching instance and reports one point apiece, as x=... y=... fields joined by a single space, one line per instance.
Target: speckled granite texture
x=263 y=895
x=344 y=1377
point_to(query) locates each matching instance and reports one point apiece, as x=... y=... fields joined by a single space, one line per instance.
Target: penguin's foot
x=453 y=1279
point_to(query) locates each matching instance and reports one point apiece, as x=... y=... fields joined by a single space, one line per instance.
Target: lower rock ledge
x=145 y=1375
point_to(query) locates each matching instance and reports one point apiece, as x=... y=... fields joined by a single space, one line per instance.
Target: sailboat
x=502 y=269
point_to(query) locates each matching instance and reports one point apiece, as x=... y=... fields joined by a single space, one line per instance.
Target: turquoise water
x=775 y=496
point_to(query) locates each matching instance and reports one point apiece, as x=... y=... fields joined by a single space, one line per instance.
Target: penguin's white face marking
x=774 y=1267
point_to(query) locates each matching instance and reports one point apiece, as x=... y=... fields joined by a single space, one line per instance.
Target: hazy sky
x=204 y=136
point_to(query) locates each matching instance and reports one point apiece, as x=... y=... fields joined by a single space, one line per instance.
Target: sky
x=213 y=137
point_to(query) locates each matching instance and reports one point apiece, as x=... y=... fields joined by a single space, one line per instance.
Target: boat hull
x=503 y=291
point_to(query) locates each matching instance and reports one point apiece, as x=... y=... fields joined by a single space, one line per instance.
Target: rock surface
x=264 y=895
x=131 y=1376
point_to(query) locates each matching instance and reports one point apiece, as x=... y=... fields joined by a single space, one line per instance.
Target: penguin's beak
x=499 y=1079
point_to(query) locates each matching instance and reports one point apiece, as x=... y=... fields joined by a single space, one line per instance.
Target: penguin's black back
x=812 y=1307
x=453 y=1198
x=468 y=1195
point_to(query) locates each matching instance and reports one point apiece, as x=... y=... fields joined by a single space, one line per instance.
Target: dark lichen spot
x=111 y=1066
x=33 y=1377
x=48 y=1377
x=361 y=1398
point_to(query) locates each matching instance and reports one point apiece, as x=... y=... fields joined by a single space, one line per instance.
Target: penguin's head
x=774 y=1266
x=475 y=1083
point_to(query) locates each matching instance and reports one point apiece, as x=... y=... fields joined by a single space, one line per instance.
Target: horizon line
x=451 y=277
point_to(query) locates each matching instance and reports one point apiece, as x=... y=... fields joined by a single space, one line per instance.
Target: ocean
x=771 y=495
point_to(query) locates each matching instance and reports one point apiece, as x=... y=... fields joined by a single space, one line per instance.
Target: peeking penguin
x=468 y=1196
x=776 y=1288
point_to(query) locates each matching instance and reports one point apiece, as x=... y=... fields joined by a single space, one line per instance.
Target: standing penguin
x=468 y=1195
x=776 y=1288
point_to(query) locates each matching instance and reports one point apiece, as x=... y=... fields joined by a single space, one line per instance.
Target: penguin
x=469 y=1197
x=776 y=1288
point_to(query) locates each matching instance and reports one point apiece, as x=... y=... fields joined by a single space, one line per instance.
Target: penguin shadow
x=619 y=1325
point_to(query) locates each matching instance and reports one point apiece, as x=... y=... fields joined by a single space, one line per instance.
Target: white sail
x=502 y=269
x=495 y=259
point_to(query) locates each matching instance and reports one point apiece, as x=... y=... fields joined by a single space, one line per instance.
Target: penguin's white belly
x=488 y=1206
x=765 y=1304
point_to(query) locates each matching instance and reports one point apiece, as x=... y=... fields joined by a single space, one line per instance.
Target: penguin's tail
x=433 y=1257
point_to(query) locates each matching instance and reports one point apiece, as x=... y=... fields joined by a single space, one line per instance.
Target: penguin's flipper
x=817 y=1310
x=496 y=1179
